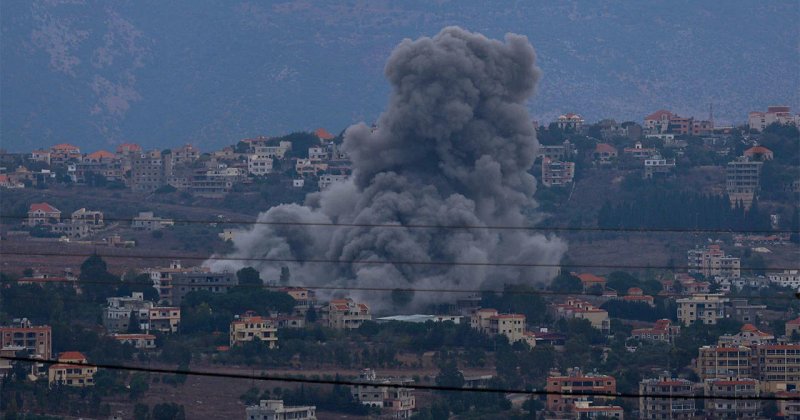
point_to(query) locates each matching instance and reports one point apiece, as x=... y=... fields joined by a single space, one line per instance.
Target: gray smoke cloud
x=454 y=147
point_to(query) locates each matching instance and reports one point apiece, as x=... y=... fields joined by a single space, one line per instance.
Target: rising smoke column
x=454 y=147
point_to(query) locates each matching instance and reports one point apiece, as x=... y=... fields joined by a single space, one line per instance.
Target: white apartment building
x=775 y=114
x=396 y=403
x=787 y=278
x=259 y=165
x=275 y=410
x=706 y=308
x=712 y=261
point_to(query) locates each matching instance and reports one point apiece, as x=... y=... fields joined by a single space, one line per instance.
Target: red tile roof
x=66 y=147
x=128 y=147
x=591 y=278
x=47 y=208
x=757 y=150
x=71 y=356
x=659 y=115
x=795 y=321
x=100 y=154
x=605 y=148
x=323 y=134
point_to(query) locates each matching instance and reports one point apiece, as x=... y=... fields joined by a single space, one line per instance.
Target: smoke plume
x=454 y=147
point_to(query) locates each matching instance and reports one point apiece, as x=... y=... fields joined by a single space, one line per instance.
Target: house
x=639 y=152
x=724 y=362
x=789 y=404
x=657 y=166
x=658 y=122
x=560 y=386
x=43 y=214
x=259 y=165
x=71 y=371
x=580 y=309
x=149 y=171
x=792 y=327
x=100 y=156
x=743 y=311
x=138 y=341
x=570 y=121
x=395 y=403
x=326 y=180
x=557 y=173
x=22 y=334
x=775 y=114
x=146 y=220
x=61 y=153
x=636 y=295
x=8 y=182
x=162 y=278
x=660 y=398
x=184 y=282
x=739 y=408
x=758 y=153
x=304 y=299
x=275 y=410
x=318 y=153
x=128 y=148
x=662 y=331
x=786 y=278
x=604 y=153
x=120 y=310
x=705 y=308
x=663 y=122
x=492 y=323
x=590 y=281
x=748 y=336
x=249 y=327
x=41 y=156
x=345 y=314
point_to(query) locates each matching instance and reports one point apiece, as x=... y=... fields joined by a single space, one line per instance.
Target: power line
x=344 y=382
x=535 y=292
x=461 y=227
x=374 y=262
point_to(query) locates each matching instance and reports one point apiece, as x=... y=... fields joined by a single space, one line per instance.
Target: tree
x=566 y=282
x=249 y=276
x=138 y=385
x=133 y=324
x=95 y=279
x=168 y=411
x=250 y=396
x=141 y=412
x=449 y=375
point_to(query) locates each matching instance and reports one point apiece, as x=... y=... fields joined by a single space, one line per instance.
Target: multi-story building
x=63 y=153
x=743 y=311
x=789 y=404
x=259 y=165
x=786 y=278
x=777 y=366
x=345 y=314
x=162 y=279
x=585 y=410
x=559 y=152
x=138 y=341
x=748 y=336
x=396 y=403
x=275 y=410
x=581 y=309
x=775 y=114
x=731 y=408
x=36 y=339
x=555 y=172
x=711 y=261
x=665 y=122
x=742 y=181
x=117 y=315
x=705 y=308
x=724 y=362
x=250 y=327
x=184 y=283
x=662 y=331
x=184 y=155
x=82 y=223
x=318 y=153
x=570 y=121
x=661 y=398
x=492 y=323
x=657 y=166
x=639 y=152
x=560 y=386
x=43 y=214
x=146 y=220
x=71 y=370
x=304 y=299
x=148 y=172
x=326 y=180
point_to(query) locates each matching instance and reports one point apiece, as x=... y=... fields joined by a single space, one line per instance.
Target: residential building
x=742 y=181
x=43 y=214
x=559 y=152
x=148 y=171
x=117 y=315
x=64 y=152
x=560 y=386
x=582 y=409
x=250 y=327
x=184 y=155
x=182 y=283
x=22 y=334
x=421 y=319
x=661 y=398
x=304 y=299
x=777 y=366
x=604 y=153
x=662 y=331
x=590 y=281
x=138 y=341
x=492 y=323
x=712 y=262
x=665 y=122
x=786 y=278
x=396 y=403
x=318 y=153
x=758 y=153
x=310 y=167
x=789 y=405
x=323 y=134
x=345 y=314
x=164 y=319
x=41 y=156
x=275 y=410
x=749 y=336
x=557 y=173
x=636 y=295
x=82 y=223
x=259 y=165
x=706 y=308
x=326 y=180
x=657 y=166
x=570 y=121
x=639 y=152
x=146 y=220
x=743 y=311
x=71 y=370
x=724 y=362
x=775 y=114
x=580 y=309
x=730 y=408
